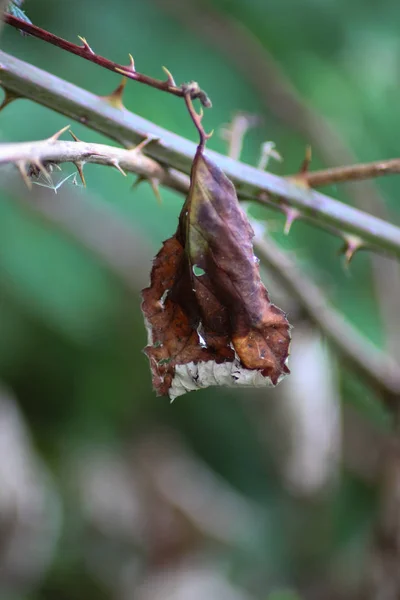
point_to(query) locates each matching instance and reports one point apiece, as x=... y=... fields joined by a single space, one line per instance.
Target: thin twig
x=86 y=52
x=356 y=172
x=21 y=78
x=197 y=120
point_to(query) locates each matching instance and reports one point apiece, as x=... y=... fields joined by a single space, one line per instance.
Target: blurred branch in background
x=129 y=129
x=166 y=501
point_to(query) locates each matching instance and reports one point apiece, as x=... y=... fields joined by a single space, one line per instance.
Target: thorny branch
x=86 y=52
x=53 y=151
x=357 y=228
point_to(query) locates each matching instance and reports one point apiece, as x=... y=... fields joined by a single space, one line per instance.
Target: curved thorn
x=131 y=63
x=79 y=167
x=40 y=166
x=115 y=164
x=21 y=166
x=85 y=44
x=74 y=137
x=55 y=136
x=115 y=98
x=145 y=142
x=8 y=98
x=170 y=79
x=352 y=244
x=291 y=216
x=139 y=179
x=155 y=187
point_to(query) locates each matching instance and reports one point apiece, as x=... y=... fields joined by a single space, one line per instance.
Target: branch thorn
x=55 y=136
x=115 y=98
x=154 y=183
x=86 y=45
x=8 y=98
x=116 y=164
x=291 y=216
x=40 y=166
x=21 y=166
x=74 y=137
x=170 y=79
x=79 y=167
x=145 y=142
x=129 y=69
x=139 y=179
x=352 y=243
x=131 y=63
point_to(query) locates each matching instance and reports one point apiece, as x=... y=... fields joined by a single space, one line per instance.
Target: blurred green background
x=107 y=491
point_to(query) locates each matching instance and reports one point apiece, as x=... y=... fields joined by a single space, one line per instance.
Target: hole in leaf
x=198 y=271
x=202 y=341
x=164 y=297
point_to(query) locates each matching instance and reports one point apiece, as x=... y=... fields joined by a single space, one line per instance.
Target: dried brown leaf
x=209 y=316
